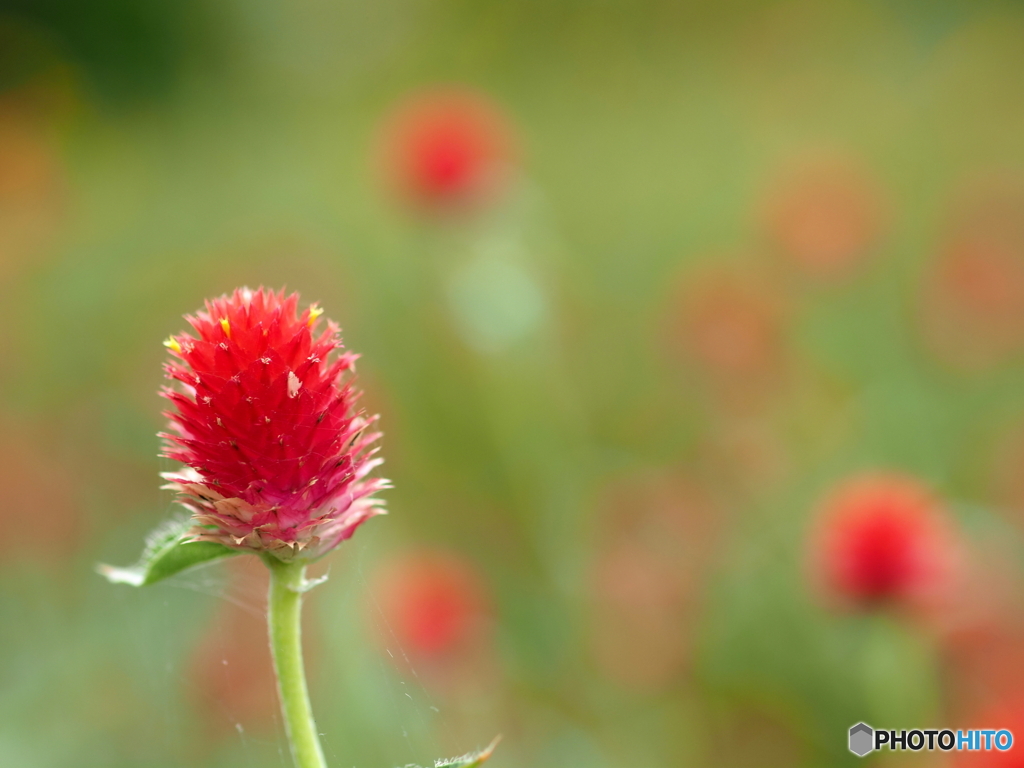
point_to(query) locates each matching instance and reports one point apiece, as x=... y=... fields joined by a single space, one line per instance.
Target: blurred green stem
x=287 y=584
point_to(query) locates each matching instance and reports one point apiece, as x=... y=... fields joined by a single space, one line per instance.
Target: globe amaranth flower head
x=448 y=148
x=278 y=458
x=884 y=538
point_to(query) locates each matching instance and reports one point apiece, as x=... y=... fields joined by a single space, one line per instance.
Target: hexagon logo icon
x=862 y=739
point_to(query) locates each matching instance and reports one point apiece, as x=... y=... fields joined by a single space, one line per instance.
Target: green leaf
x=471 y=760
x=168 y=552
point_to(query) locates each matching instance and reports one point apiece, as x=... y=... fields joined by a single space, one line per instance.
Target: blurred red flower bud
x=435 y=603
x=447 y=148
x=884 y=539
x=277 y=456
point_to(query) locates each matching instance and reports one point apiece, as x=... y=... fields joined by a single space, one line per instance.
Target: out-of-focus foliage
x=698 y=266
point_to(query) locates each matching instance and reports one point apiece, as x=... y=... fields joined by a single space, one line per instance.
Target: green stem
x=287 y=583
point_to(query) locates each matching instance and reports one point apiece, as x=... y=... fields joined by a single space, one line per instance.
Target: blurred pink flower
x=983 y=662
x=230 y=674
x=449 y=147
x=824 y=214
x=658 y=538
x=884 y=539
x=277 y=456
x=981 y=635
x=638 y=634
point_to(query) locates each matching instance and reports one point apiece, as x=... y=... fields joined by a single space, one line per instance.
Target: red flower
x=884 y=539
x=434 y=603
x=1006 y=714
x=447 y=147
x=277 y=455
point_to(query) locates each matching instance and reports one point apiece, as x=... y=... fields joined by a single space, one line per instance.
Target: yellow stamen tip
x=173 y=345
x=314 y=313
x=226 y=326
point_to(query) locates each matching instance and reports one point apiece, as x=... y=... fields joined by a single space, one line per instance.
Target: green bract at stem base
x=284 y=613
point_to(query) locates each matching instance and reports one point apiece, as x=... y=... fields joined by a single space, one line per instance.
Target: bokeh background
x=637 y=286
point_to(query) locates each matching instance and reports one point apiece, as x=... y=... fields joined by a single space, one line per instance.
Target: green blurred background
x=611 y=396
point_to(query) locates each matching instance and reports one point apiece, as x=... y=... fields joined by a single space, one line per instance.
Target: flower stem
x=287 y=583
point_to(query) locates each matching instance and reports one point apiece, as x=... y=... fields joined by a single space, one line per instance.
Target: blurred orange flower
x=731 y=326
x=973 y=294
x=33 y=184
x=824 y=213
